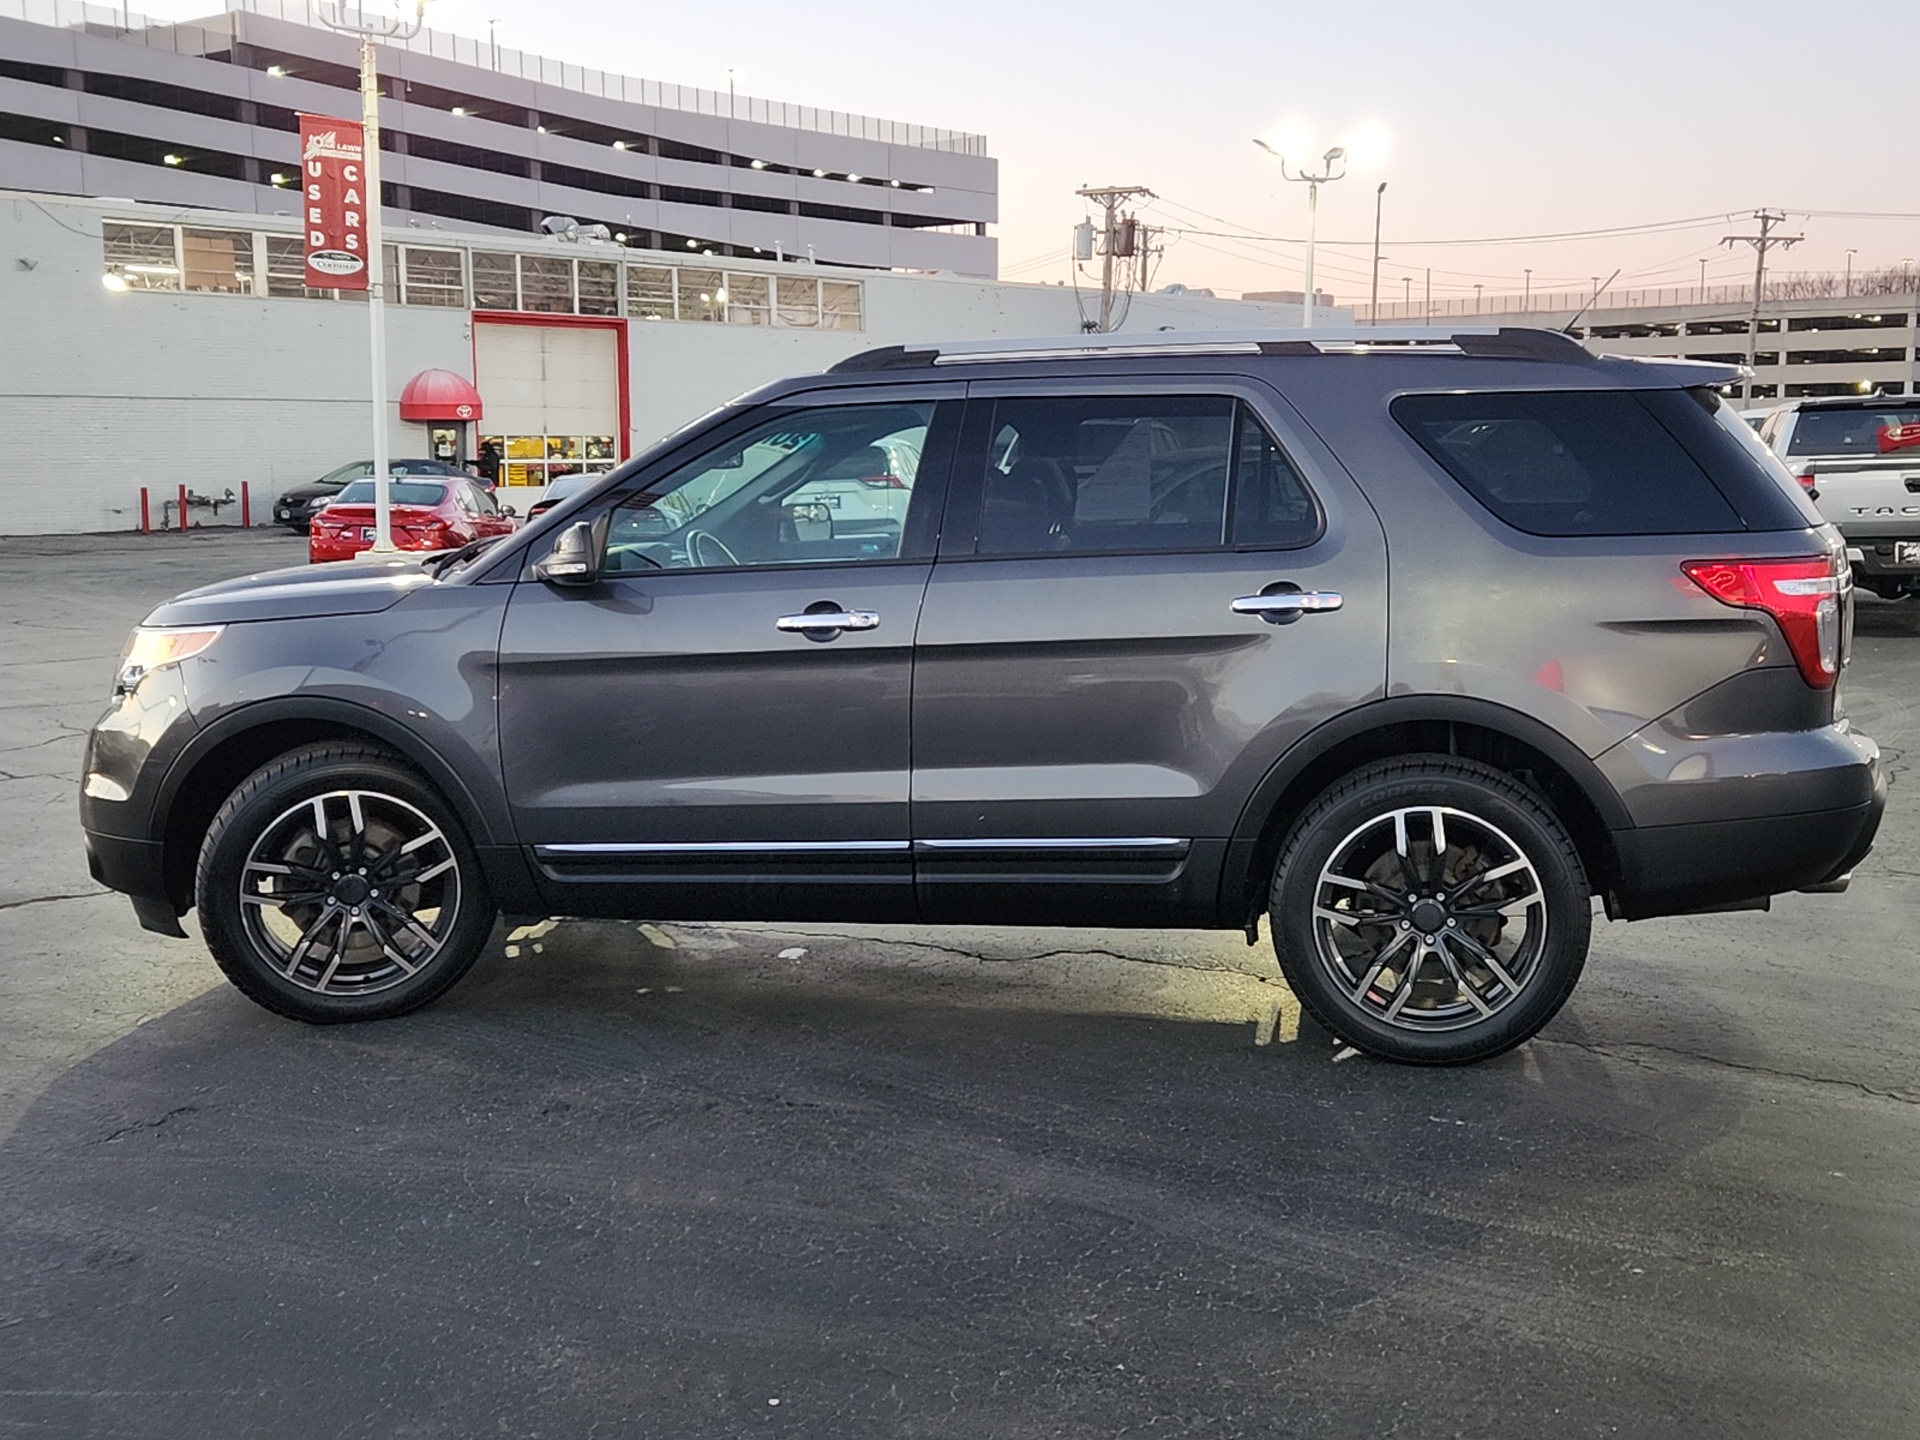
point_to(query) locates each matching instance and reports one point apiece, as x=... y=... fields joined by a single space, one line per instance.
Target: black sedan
x=295 y=507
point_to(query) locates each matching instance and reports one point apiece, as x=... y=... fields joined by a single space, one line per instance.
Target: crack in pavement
x=49 y=899
x=1623 y=1053
x=1025 y=959
x=125 y=1130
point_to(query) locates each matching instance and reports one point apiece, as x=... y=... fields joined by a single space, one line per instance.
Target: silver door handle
x=1289 y=602
x=829 y=620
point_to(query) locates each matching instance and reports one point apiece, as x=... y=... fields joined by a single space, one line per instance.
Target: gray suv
x=1413 y=642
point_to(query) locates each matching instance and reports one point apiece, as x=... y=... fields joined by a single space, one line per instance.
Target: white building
x=210 y=365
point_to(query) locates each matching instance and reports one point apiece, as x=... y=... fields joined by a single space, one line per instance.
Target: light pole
x=730 y=112
x=493 y=41
x=1373 y=306
x=1476 y=297
x=1336 y=157
x=1700 y=296
x=1906 y=272
x=369 y=28
x=1850 y=255
x=1406 y=296
x=1526 y=290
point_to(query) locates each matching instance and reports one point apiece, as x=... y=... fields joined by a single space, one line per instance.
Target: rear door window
x=1610 y=462
x=1869 y=430
x=1106 y=473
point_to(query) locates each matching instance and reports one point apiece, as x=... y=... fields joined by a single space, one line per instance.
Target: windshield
x=1869 y=430
x=400 y=492
x=346 y=473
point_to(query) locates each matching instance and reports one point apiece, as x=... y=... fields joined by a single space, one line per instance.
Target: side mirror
x=508 y=510
x=575 y=558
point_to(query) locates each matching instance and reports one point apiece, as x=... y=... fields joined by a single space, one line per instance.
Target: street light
x=1406 y=296
x=1373 y=305
x=1526 y=290
x=370 y=28
x=1333 y=167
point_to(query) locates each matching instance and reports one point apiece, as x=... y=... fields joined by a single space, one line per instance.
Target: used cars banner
x=332 y=153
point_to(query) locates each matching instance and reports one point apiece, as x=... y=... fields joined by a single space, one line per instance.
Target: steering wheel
x=702 y=542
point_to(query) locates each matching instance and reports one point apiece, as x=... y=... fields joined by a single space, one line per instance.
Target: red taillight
x=1806 y=480
x=1802 y=595
x=883 y=482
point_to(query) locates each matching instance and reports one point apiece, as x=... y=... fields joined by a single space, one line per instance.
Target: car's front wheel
x=1430 y=910
x=336 y=884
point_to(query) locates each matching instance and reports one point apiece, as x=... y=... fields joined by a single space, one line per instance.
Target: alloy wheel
x=350 y=892
x=1429 y=918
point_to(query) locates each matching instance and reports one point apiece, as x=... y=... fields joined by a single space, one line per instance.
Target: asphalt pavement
x=707 y=1180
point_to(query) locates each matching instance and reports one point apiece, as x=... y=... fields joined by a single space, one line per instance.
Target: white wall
x=102 y=393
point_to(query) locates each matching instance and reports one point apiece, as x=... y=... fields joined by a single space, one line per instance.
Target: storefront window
x=546 y=285
x=599 y=287
x=217 y=261
x=542 y=459
x=143 y=255
x=432 y=277
x=287 y=269
x=839 y=305
x=703 y=295
x=495 y=283
x=749 y=300
x=649 y=293
x=800 y=303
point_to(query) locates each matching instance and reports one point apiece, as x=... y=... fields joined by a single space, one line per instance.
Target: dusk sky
x=1505 y=119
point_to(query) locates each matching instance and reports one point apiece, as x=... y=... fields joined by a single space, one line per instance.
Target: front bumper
x=135 y=867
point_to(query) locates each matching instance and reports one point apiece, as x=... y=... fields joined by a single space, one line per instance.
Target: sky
x=1555 y=117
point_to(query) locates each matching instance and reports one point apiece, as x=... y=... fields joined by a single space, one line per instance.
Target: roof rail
x=1486 y=342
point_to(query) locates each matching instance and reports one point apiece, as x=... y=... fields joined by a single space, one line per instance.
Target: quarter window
x=1600 y=462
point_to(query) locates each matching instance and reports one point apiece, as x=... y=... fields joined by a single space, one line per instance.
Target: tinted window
x=809 y=486
x=1869 y=430
x=1273 y=505
x=1600 y=462
x=1106 y=473
x=399 y=492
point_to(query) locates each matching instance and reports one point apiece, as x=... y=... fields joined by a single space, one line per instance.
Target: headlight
x=148 y=650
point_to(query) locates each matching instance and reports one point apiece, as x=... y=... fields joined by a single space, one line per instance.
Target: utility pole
x=1121 y=238
x=1761 y=243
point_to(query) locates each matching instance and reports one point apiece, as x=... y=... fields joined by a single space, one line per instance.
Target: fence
x=1895 y=286
x=216 y=38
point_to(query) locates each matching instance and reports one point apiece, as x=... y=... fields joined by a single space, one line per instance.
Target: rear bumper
x=1671 y=869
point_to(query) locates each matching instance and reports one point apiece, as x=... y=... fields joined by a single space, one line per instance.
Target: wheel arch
x=1509 y=741
x=226 y=752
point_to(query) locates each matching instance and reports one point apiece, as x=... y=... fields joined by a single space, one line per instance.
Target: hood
x=311 y=491
x=359 y=587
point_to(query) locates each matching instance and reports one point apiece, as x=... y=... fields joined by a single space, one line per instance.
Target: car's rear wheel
x=336 y=884
x=1430 y=910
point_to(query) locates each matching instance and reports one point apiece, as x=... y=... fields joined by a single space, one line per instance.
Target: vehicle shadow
x=614 y=1187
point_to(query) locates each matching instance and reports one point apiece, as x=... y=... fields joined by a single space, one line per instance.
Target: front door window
x=826 y=485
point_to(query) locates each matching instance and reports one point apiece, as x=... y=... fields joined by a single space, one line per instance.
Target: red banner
x=332 y=153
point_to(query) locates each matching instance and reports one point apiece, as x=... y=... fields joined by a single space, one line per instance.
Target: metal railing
x=1896 y=292
x=215 y=37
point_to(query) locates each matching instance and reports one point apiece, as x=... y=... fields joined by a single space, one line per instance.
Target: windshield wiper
x=435 y=564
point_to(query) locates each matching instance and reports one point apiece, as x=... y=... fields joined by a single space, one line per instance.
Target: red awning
x=439 y=395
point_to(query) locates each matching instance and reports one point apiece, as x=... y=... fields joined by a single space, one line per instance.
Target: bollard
x=246 y=507
x=146 y=515
x=183 y=507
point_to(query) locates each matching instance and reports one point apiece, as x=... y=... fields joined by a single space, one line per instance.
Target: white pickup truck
x=1860 y=460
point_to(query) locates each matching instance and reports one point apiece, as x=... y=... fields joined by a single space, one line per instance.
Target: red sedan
x=427 y=515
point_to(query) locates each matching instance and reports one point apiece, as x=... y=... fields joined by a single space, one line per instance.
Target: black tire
x=394 y=891
x=1444 y=956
